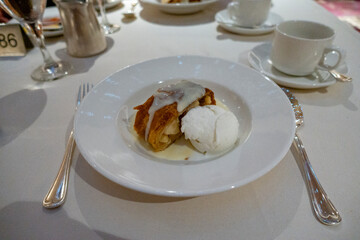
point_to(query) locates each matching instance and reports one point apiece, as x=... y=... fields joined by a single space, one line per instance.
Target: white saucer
x=224 y=20
x=259 y=58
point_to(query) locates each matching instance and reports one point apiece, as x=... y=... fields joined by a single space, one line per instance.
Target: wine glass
x=108 y=27
x=29 y=13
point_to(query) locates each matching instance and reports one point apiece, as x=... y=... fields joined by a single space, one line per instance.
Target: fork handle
x=323 y=208
x=57 y=192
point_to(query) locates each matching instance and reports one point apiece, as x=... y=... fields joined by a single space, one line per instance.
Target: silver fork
x=57 y=192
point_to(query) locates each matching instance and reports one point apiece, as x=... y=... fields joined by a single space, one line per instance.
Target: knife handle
x=323 y=208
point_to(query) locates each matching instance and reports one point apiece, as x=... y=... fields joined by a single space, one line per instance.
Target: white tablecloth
x=36 y=118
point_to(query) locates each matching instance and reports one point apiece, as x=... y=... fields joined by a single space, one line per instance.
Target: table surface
x=36 y=118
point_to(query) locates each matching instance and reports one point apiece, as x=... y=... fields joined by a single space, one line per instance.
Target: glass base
x=50 y=72
x=110 y=28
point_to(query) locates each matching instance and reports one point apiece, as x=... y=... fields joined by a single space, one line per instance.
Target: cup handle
x=332 y=51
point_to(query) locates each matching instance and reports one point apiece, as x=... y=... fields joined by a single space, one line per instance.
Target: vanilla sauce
x=183 y=93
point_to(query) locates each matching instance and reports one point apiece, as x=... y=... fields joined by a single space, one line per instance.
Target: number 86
x=8 y=40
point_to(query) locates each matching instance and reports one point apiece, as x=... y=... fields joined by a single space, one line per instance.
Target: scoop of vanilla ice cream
x=210 y=128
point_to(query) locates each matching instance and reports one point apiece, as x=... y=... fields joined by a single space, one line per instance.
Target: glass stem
x=104 y=20
x=34 y=31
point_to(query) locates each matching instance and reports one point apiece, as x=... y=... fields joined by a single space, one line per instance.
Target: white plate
x=179 y=8
x=259 y=58
x=224 y=20
x=108 y=4
x=267 y=127
x=51 y=31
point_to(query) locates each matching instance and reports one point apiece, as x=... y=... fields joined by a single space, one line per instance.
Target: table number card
x=12 y=42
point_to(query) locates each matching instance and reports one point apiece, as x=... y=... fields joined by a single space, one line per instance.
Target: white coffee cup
x=249 y=13
x=299 y=47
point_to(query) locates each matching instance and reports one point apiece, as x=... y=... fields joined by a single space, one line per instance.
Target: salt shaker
x=83 y=34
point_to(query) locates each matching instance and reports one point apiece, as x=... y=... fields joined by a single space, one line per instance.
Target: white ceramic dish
x=179 y=8
x=108 y=4
x=259 y=58
x=267 y=127
x=52 y=30
x=224 y=20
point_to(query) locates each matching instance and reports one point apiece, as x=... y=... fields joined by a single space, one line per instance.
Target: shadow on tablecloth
x=29 y=220
x=18 y=111
x=82 y=65
x=262 y=208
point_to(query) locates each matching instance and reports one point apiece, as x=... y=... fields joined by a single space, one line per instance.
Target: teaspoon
x=323 y=208
x=339 y=76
